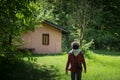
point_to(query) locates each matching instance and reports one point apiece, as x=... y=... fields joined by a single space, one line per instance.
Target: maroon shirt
x=75 y=61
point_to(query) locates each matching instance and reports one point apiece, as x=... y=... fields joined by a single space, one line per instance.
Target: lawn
x=99 y=66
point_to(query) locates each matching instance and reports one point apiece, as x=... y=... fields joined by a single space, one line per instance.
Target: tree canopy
x=103 y=17
x=16 y=17
x=84 y=20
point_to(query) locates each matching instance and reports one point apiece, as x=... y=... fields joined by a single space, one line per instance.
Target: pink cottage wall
x=34 y=40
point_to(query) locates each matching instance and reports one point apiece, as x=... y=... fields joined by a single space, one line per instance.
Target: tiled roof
x=55 y=26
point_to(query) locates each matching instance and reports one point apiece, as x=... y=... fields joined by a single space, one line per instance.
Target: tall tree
x=74 y=15
x=18 y=16
x=105 y=30
x=82 y=17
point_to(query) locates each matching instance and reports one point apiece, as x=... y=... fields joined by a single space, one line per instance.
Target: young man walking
x=75 y=61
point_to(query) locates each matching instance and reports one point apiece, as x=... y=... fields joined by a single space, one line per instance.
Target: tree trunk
x=81 y=34
x=10 y=40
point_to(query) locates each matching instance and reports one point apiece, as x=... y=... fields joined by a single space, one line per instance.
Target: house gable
x=35 y=39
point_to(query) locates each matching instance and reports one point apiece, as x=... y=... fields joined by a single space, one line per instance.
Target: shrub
x=86 y=46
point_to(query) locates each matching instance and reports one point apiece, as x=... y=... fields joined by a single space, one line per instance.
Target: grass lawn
x=99 y=66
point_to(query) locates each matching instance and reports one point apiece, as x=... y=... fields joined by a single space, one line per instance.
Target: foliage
x=19 y=16
x=11 y=54
x=27 y=71
x=97 y=20
x=102 y=39
x=69 y=14
x=101 y=17
x=75 y=18
x=106 y=34
x=110 y=53
x=16 y=17
x=87 y=46
x=81 y=17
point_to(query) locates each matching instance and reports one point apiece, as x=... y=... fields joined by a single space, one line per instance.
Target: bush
x=22 y=70
x=86 y=46
x=11 y=54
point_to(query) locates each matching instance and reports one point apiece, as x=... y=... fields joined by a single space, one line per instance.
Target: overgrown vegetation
x=18 y=64
x=97 y=20
x=89 y=21
x=17 y=17
x=24 y=70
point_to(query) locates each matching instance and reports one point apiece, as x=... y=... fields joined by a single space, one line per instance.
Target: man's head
x=75 y=45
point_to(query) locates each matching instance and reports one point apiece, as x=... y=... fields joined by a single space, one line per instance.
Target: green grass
x=99 y=66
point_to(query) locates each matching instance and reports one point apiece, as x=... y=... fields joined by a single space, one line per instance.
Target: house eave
x=56 y=26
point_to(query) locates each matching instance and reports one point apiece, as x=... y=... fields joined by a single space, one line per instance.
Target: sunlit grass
x=102 y=67
x=99 y=66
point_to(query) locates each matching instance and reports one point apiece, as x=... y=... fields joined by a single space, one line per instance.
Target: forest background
x=94 y=23
x=85 y=20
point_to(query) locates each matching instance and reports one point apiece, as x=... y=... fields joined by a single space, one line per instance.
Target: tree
x=81 y=17
x=106 y=32
x=74 y=16
x=18 y=16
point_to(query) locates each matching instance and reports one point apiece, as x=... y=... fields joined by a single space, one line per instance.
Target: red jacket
x=75 y=62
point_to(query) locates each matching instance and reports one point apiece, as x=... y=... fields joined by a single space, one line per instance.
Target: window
x=45 y=39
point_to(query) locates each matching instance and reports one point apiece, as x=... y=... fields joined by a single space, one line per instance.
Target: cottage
x=45 y=39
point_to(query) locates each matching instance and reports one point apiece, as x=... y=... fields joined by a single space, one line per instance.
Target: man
x=75 y=62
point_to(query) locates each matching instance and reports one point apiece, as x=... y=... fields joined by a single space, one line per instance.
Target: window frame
x=45 y=39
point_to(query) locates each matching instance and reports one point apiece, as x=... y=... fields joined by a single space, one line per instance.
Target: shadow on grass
x=21 y=70
x=103 y=52
x=50 y=54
